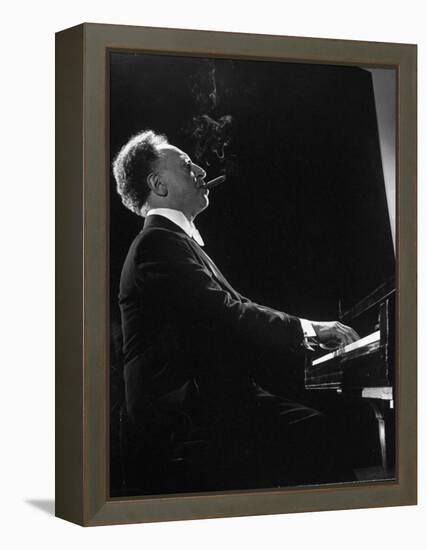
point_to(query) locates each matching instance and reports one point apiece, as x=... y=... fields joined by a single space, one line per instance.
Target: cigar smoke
x=211 y=127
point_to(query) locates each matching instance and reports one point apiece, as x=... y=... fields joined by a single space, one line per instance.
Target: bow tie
x=194 y=234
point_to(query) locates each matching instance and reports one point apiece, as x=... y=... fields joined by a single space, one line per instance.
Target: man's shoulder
x=160 y=235
x=160 y=242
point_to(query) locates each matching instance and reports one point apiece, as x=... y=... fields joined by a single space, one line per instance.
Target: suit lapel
x=205 y=260
x=216 y=273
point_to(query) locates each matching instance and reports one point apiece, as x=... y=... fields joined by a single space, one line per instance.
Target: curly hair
x=133 y=164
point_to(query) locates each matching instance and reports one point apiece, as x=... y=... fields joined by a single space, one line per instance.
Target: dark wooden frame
x=82 y=337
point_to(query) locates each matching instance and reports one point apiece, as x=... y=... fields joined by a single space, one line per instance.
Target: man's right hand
x=333 y=334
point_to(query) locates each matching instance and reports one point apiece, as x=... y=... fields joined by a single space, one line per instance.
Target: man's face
x=183 y=179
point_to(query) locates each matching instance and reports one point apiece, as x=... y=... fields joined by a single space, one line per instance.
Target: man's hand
x=333 y=334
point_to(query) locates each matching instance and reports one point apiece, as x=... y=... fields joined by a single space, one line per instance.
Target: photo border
x=82 y=267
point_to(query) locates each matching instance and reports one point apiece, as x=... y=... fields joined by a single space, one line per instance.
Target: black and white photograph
x=252 y=239
x=213 y=255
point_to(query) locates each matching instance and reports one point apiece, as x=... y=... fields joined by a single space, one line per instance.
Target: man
x=192 y=348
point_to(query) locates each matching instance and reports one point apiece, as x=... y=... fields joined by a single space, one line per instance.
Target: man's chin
x=204 y=205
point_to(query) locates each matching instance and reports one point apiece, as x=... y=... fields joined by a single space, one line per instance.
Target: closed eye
x=188 y=165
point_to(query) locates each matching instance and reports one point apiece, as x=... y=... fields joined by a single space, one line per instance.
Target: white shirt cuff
x=308 y=329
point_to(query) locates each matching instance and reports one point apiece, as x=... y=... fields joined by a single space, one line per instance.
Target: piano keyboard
x=372 y=340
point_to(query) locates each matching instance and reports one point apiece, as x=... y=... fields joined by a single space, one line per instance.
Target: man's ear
x=154 y=182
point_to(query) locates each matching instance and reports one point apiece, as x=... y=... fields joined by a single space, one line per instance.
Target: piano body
x=365 y=368
x=366 y=365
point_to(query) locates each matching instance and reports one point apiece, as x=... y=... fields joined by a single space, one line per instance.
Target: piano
x=367 y=364
x=364 y=368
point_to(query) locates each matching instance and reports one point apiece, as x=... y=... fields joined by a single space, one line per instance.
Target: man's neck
x=179 y=219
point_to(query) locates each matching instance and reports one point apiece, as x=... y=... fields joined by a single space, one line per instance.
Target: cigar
x=213 y=183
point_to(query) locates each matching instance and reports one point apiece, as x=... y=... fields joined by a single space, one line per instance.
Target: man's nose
x=199 y=171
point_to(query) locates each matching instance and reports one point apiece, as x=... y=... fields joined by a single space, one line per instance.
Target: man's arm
x=165 y=256
x=330 y=334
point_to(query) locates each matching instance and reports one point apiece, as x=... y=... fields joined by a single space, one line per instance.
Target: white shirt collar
x=177 y=217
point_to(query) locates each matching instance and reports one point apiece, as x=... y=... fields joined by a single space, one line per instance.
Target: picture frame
x=82 y=284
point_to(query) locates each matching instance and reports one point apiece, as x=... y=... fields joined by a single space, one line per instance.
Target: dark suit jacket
x=190 y=339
